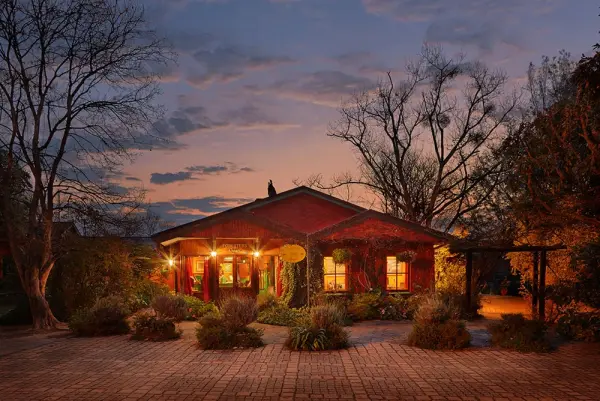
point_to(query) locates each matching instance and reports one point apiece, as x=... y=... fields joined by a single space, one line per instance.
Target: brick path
x=115 y=368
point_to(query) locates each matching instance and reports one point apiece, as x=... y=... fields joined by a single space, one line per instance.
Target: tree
x=76 y=92
x=427 y=147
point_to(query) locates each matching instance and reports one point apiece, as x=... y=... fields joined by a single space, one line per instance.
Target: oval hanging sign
x=292 y=253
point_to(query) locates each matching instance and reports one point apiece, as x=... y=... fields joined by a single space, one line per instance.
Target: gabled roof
x=438 y=236
x=236 y=212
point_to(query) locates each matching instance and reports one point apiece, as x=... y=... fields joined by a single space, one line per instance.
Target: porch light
x=213 y=254
x=256 y=254
x=171 y=262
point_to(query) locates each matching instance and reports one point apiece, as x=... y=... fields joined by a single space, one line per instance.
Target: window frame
x=335 y=275
x=406 y=275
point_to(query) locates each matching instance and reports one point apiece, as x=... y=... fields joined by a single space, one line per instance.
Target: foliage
x=281 y=315
x=315 y=338
x=99 y=267
x=266 y=300
x=406 y=256
x=170 y=307
x=290 y=278
x=341 y=255
x=325 y=316
x=516 y=332
x=437 y=325
x=451 y=334
x=238 y=311
x=458 y=303
x=214 y=333
x=583 y=326
x=196 y=308
x=450 y=272
x=150 y=327
x=144 y=291
x=396 y=307
x=587 y=262
x=107 y=317
x=365 y=306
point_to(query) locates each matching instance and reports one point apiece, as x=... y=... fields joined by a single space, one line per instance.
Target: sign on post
x=292 y=253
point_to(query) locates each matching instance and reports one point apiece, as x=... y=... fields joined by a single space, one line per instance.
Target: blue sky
x=258 y=81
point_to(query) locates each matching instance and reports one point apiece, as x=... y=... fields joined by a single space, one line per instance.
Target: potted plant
x=341 y=255
x=504 y=286
x=406 y=256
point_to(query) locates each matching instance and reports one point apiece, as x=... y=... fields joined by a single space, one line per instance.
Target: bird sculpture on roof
x=271 y=189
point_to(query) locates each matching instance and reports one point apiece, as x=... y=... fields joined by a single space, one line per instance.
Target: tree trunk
x=41 y=315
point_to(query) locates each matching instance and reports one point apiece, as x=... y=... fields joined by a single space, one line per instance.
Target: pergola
x=540 y=262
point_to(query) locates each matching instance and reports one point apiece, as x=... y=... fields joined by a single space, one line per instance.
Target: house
x=245 y=249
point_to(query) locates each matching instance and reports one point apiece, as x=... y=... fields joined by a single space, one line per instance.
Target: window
x=243 y=271
x=226 y=271
x=397 y=275
x=335 y=275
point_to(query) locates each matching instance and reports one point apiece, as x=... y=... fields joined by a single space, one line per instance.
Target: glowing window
x=334 y=275
x=396 y=275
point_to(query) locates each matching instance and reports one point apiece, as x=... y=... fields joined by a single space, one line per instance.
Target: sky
x=257 y=82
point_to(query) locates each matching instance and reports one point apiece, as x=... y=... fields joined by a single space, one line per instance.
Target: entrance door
x=235 y=274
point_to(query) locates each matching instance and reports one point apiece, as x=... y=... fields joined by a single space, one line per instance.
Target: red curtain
x=206 y=280
x=188 y=281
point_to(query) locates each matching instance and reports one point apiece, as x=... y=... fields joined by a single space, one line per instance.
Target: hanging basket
x=406 y=256
x=341 y=255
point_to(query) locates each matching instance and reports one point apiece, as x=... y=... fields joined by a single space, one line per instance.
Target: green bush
x=582 y=326
x=170 y=307
x=150 y=327
x=451 y=334
x=144 y=293
x=107 y=317
x=437 y=325
x=365 y=306
x=265 y=301
x=325 y=316
x=196 y=308
x=238 y=311
x=281 y=315
x=213 y=333
x=312 y=338
x=396 y=307
x=516 y=332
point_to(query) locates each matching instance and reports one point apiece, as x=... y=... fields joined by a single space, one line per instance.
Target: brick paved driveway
x=115 y=368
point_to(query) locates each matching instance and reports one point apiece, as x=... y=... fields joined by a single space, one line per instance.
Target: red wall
x=375 y=228
x=305 y=213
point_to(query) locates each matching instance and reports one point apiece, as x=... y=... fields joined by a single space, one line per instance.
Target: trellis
x=540 y=263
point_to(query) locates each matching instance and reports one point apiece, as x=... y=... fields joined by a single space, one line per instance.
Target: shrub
x=394 y=307
x=312 y=338
x=365 y=306
x=437 y=325
x=214 y=333
x=170 y=307
x=281 y=315
x=144 y=293
x=238 y=311
x=451 y=334
x=458 y=303
x=584 y=326
x=265 y=301
x=341 y=255
x=196 y=308
x=516 y=332
x=107 y=317
x=326 y=316
x=433 y=309
x=150 y=327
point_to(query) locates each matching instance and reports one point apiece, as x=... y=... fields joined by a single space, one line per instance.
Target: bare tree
x=76 y=91
x=427 y=148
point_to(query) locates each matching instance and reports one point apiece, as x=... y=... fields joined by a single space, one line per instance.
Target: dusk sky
x=258 y=81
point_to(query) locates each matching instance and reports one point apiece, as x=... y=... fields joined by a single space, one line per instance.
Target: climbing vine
x=289 y=281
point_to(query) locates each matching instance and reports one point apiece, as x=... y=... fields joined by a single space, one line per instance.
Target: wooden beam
x=469 y=279
x=534 y=282
x=543 y=263
x=519 y=248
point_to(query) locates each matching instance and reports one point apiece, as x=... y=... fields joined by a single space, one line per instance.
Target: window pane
x=340 y=282
x=340 y=268
x=243 y=271
x=392 y=282
x=392 y=264
x=226 y=272
x=328 y=265
x=402 y=283
x=402 y=267
x=329 y=282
